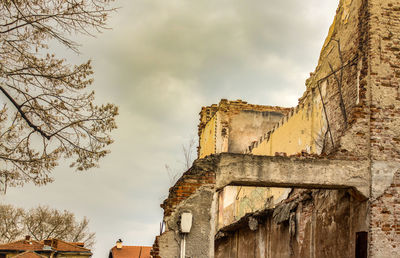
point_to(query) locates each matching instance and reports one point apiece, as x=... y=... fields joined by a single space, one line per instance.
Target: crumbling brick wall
x=385 y=223
x=155 y=250
x=198 y=175
x=384 y=57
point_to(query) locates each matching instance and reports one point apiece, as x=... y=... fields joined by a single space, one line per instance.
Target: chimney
x=54 y=243
x=27 y=237
x=119 y=244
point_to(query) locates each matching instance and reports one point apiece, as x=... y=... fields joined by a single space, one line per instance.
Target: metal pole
x=183 y=246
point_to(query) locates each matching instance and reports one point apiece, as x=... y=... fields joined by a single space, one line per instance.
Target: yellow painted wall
x=302 y=131
x=207 y=138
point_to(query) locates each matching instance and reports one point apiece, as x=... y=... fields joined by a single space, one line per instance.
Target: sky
x=160 y=63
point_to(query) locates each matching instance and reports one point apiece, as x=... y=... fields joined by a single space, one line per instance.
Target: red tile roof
x=23 y=245
x=63 y=246
x=131 y=252
x=32 y=245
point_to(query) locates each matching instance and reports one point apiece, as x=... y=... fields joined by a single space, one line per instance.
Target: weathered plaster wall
x=313 y=223
x=299 y=131
x=200 y=240
x=247 y=126
x=236 y=201
x=231 y=126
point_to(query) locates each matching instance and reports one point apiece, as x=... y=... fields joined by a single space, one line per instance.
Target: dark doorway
x=361 y=244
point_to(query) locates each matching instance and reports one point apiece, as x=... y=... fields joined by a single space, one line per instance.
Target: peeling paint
x=237 y=201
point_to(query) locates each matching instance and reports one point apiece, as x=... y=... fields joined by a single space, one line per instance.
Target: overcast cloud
x=160 y=63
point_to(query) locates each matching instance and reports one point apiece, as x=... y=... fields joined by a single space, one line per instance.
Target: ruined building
x=321 y=179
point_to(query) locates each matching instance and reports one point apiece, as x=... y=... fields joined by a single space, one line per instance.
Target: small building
x=28 y=248
x=120 y=251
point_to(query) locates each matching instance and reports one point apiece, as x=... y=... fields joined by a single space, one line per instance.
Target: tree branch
x=22 y=113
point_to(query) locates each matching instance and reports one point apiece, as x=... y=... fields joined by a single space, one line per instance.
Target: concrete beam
x=242 y=169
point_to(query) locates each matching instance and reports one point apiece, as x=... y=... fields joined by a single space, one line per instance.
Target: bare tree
x=45 y=223
x=188 y=152
x=173 y=174
x=10 y=223
x=48 y=112
x=42 y=223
